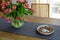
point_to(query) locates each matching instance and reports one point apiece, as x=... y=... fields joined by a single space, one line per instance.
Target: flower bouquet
x=14 y=13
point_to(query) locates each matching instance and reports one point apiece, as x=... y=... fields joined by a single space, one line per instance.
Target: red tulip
x=19 y=18
x=8 y=20
x=13 y=7
x=22 y=1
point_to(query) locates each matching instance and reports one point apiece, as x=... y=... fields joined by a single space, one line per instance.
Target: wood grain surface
x=11 y=36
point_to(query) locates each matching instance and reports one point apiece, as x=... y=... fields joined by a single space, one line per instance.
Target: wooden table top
x=11 y=36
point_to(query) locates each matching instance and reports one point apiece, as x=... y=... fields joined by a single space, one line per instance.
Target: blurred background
x=43 y=8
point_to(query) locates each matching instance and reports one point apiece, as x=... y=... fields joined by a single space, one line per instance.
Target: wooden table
x=11 y=36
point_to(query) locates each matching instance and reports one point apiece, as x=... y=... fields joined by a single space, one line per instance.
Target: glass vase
x=17 y=23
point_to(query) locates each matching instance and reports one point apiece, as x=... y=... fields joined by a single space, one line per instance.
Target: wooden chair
x=41 y=10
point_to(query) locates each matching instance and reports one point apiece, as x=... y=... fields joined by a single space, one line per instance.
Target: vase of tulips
x=14 y=13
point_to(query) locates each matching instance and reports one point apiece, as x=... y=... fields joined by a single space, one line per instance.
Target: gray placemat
x=29 y=29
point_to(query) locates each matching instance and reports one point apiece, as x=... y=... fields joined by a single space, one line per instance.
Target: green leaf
x=28 y=12
x=14 y=14
x=19 y=4
x=6 y=0
x=10 y=5
x=7 y=15
x=20 y=14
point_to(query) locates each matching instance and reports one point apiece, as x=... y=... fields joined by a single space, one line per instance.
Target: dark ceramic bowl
x=45 y=29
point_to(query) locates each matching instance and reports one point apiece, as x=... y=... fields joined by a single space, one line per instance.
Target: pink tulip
x=26 y=1
x=8 y=3
x=3 y=7
x=13 y=7
x=7 y=10
x=31 y=9
x=22 y=1
x=8 y=20
x=10 y=10
x=26 y=5
x=17 y=0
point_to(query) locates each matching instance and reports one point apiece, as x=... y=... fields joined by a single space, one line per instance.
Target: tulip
x=7 y=10
x=13 y=7
x=8 y=3
x=22 y=1
x=31 y=9
x=26 y=1
x=3 y=7
x=26 y=5
x=19 y=18
x=17 y=0
x=8 y=20
x=10 y=10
